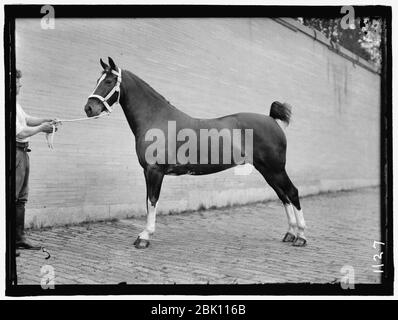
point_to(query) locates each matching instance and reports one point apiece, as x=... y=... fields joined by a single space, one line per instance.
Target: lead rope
x=50 y=136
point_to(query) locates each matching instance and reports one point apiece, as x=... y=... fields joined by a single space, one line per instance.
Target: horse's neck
x=143 y=108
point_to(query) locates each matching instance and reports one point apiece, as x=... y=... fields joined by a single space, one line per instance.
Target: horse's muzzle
x=88 y=109
x=92 y=109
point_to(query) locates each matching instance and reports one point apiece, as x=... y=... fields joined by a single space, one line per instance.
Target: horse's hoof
x=289 y=237
x=141 y=243
x=300 y=242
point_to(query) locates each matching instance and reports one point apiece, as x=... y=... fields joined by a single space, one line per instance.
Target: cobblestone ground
x=223 y=246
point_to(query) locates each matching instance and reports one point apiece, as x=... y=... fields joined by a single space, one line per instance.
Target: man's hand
x=47 y=127
x=34 y=122
x=50 y=120
x=29 y=131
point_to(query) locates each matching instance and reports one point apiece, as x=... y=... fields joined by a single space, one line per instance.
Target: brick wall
x=207 y=68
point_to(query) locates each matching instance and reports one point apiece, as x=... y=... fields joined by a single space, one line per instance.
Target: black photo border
x=12 y=12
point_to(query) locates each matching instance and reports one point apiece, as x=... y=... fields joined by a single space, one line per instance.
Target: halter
x=116 y=88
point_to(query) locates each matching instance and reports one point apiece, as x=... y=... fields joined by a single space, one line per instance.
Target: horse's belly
x=196 y=169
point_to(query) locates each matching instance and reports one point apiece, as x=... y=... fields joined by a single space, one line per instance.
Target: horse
x=146 y=110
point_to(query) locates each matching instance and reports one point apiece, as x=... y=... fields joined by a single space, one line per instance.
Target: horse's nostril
x=88 y=109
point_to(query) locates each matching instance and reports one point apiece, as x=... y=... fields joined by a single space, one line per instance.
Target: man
x=26 y=126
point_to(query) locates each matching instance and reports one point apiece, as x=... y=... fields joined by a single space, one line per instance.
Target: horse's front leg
x=153 y=178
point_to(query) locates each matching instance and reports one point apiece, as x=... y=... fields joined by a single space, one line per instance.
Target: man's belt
x=23 y=146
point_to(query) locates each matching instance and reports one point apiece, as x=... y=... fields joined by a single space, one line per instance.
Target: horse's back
x=243 y=120
x=262 y=125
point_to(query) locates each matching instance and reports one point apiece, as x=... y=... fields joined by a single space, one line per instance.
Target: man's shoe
x=24 y=244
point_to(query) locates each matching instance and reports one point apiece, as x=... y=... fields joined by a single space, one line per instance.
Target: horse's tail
x=281 y=111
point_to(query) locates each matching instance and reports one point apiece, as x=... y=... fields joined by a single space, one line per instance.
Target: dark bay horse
x=150 y=115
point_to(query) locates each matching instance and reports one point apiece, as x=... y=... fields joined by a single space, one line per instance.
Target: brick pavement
x=221 y=246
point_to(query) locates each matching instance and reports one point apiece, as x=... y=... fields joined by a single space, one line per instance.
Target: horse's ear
x=104 y=65
x=111 y=63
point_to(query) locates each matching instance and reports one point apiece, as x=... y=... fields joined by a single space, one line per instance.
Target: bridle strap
x=116 y=88
x=104 y=101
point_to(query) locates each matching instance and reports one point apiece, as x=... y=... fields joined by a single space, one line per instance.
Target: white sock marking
x=150 y=223
x=291 y=218
x=300 y=222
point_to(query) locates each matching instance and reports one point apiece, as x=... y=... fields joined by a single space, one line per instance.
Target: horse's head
x=107 y=90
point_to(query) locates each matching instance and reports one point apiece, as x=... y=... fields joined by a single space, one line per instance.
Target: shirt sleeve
x=20 y=120
x=25 y=115
x=19 y=128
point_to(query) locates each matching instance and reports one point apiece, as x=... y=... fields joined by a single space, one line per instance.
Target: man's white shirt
x=21 y=122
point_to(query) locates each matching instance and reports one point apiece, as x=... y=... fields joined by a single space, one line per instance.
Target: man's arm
x=31 y=131
x=33 y=121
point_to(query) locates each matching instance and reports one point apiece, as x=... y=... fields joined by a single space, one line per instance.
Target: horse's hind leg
x=293 y=195
x=288 y=194
x=153 y=178
x=290 y=235
x=276 y=183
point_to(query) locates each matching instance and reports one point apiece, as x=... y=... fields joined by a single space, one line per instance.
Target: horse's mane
x=148 y=88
